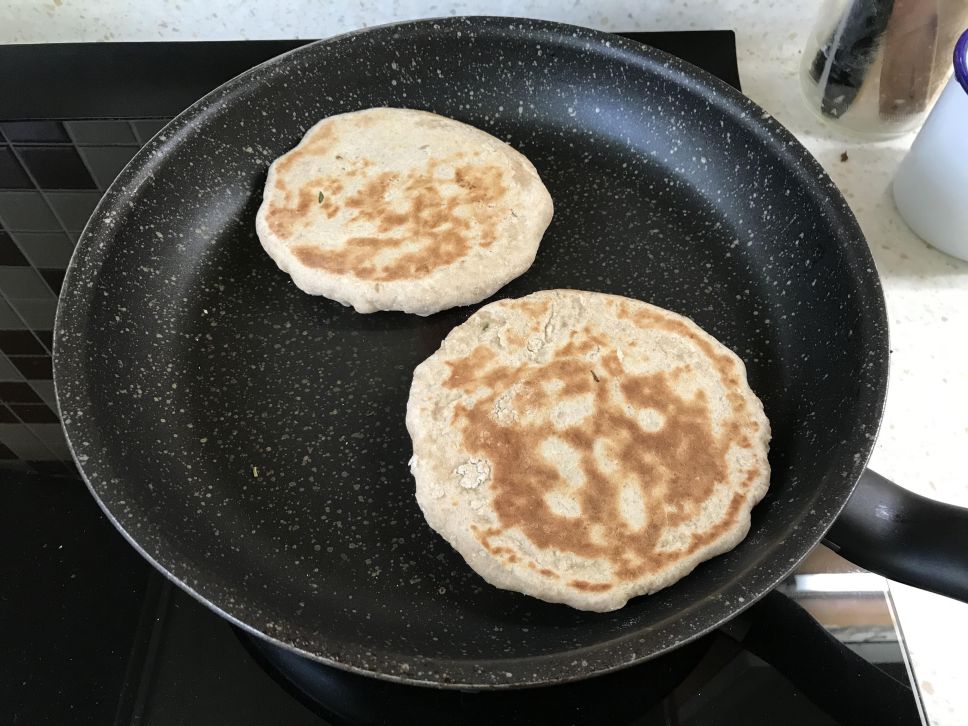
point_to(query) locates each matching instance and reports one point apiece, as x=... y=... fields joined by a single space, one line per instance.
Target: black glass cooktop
x=93 y=635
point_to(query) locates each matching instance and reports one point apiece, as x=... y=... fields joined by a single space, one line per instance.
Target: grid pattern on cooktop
x=52 y=175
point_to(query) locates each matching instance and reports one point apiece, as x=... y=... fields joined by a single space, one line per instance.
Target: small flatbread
x=394 y=209
x=584 y=448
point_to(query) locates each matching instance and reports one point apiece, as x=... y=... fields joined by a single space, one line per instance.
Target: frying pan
x=249 y=439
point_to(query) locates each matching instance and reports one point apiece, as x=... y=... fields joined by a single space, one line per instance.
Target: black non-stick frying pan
x=249 y=439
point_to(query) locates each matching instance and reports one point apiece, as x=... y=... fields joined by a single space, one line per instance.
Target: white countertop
x=925 y=428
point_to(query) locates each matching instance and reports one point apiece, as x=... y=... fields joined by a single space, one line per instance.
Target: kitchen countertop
x=925 y=427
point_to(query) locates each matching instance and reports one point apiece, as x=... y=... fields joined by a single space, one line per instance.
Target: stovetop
x=94 y=635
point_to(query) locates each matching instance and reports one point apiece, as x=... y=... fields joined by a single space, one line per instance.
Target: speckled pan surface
x=250 y=439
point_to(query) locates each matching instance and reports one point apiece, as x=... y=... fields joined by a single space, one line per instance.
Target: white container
x=931 y=185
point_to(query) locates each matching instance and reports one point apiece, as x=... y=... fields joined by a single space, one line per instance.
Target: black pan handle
x=906 y=537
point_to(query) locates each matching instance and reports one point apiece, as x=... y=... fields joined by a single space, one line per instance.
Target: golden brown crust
x=398 y=209
x=585 y=448
x=442 y=208
x=674 y=466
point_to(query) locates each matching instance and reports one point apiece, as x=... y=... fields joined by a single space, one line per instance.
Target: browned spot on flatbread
x=359 y=252
x=315 y=144
x=515 y=340
x=300 y=205
x=586 y=586
x=539 y=310
x=437 y=211
x=676 y=467
x=543 y=571
x=721 y=361
x=505 y=553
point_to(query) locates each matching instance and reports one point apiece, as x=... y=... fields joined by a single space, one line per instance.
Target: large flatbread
x=586 y=448
x=395 y=209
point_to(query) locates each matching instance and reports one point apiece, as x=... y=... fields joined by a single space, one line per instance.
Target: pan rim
x=609 y=655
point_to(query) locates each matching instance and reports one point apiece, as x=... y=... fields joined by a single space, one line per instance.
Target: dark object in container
x=875 y=66
x=841 y=64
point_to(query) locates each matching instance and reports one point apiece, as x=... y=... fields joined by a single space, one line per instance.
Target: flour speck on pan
x=585 y=448
x=395 y=209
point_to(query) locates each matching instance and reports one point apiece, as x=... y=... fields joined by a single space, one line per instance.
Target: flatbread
x=395 y=209
x=584 y=448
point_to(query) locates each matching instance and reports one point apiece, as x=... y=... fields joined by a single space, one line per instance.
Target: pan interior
x=250 y=439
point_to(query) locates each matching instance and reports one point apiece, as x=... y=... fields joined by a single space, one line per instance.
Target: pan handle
x=905 y=537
